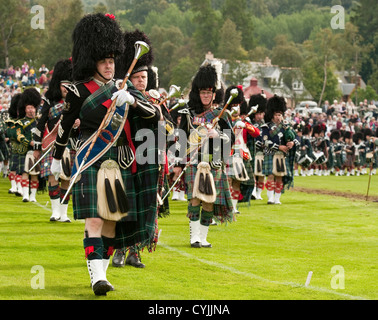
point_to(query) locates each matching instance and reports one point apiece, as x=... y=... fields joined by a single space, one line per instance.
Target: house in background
x=272 y=79
x=347 y=83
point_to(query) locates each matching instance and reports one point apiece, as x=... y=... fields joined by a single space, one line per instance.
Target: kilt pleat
x=223 y=204
x=137 y=228
x=47 y=161
x=140 y=231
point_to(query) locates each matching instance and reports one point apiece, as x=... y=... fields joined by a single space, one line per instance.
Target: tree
x=286 y=53
x=313 y=80
x=368 y=93
x=319 y=55
x=100 y=8
x=236 y=11
x=62 y=39
x=207 y=23
x=15 y=28
x=239 y=70
x=230 y=47
x=365 y=18
x=165 y=42
x=182 y=72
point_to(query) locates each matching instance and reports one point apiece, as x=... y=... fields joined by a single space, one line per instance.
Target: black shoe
x=196 y=244
x=119 y=258
x=133 y=260
x=100 y=288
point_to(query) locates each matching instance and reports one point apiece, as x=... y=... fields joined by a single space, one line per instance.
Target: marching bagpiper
x=257 y=118
x=148 y=174
x=205 y=129
x=105 y=159
x=336 y=151
x=30 y=101
x=360 y=152
x=278 y=141
x=371 y=150
x=4 y=149
x=320 y=148
x=10 y=133
x=241 y=169
x=45 y=135
x=350 y=149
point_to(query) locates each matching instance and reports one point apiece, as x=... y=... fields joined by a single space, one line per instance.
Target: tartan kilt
x=330 y=160
x=362 y=159
x=13 y=166
x=223 y=209
x=268 y=164
x=267 y=167
x=140 y=230
x=289 y=162
x=4 y=150
x=338 y=161
x=47 y=160
x=84 y=192
x=20 y=169
x=249 y=168
x=138 y=227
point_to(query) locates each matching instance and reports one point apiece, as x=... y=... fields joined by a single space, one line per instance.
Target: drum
x=305 y=161
x=320 y=157
x=369 y=157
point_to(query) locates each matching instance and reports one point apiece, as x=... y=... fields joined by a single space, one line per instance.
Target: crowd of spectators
x=340 y=115
x=13 y=79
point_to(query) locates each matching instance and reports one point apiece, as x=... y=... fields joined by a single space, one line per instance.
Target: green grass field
x=266 y=254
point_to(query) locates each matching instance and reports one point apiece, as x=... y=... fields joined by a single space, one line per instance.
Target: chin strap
x=102 y=76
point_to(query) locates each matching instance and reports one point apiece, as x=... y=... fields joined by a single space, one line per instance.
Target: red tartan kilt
x=47 y=160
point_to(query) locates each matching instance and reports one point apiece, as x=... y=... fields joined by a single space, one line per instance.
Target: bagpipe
x=203 y=179
x=154 y=97
x=109 y=129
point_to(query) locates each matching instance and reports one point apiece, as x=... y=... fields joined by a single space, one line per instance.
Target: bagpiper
x=208 y=136
x=241 y=170
x=112 y=219
x=10 y=132
x=147 y=174
x=30 y=102
x=278 y=141
x=257 y=119
x=45 y=135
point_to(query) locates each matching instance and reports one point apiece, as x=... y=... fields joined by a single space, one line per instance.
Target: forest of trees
x=295 y=33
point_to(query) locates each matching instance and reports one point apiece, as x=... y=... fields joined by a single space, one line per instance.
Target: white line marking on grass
x=42 y=206
x=254 y=276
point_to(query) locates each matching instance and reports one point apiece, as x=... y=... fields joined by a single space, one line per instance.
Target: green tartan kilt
x=249 y=168
x=338 y=161
x=21 y=164
x=223 y=209
x=84 y=192
x=268 y=164
x=137 y=228
x=140 y=232
x=330 y=160
x=13 y=165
